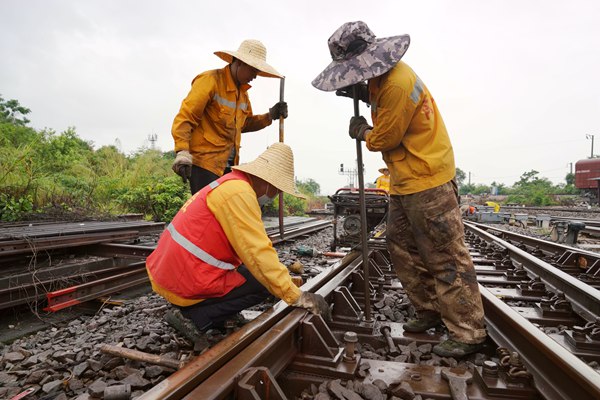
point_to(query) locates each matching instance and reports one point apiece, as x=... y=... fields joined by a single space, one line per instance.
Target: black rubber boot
x=419 y=325
x=187 y=328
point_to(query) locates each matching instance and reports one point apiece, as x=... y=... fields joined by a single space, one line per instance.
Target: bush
x=12 y=209
x=158 y=200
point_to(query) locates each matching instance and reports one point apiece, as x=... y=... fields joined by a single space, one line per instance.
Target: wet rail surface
x=543 y=324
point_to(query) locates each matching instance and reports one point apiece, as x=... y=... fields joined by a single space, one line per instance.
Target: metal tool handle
x=281 y=90
x=363 y=215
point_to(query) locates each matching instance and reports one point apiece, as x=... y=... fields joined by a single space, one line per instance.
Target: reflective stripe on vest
x=197 y=251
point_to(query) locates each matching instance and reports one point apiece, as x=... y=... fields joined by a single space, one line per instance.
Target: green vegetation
x=296 y=206
x=530 y=189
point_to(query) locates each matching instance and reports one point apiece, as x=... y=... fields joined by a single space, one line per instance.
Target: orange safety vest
x=194 y=259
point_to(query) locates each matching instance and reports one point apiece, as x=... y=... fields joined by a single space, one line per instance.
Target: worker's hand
x=315 y=303
x=348 y=91
x=280 y=109
x=182 y=165
x=358 y=127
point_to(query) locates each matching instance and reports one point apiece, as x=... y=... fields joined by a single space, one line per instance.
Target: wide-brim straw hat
x=358 y=55
x=275 y=166
x=382 y=170
x=253 y=53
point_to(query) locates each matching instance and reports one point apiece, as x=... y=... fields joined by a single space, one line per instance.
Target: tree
x=12 y=112
x=309 y=187
x=570 y=178
x=532 y=190
x=460 y=176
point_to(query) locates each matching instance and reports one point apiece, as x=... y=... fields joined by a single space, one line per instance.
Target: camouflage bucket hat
x=358 y=55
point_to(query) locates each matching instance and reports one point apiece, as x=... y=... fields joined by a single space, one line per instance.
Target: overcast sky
x=517 y=82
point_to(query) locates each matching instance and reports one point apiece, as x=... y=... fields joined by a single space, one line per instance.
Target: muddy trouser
x=200 y=178
x=425 y=238
x=214 y=312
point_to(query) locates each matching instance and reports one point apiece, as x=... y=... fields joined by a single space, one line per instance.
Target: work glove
x=280 y=109
x=315 y=303
x=182 y=165
x=358 y=127
x=348 y=91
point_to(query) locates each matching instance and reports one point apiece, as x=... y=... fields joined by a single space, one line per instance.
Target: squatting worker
x=215 y=259
x=383 y=182
x=207 y=130
x=425 y=234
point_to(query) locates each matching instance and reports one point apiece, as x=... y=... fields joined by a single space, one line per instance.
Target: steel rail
x=202 y=367
x=34 y=231
x=300 y=230
x=549 y=247
x=78 y=294
x=118 y=250
x=583 y=296
x=558 y=374
x=34 y=245
x=32 y=291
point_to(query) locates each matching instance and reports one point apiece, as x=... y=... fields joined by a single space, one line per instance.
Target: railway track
x=542 y=315
x=61 y=265
x=543 y=324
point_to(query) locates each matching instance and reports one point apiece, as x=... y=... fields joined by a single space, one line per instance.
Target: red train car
x=587 y=173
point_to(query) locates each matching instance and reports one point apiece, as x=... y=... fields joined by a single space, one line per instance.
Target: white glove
x=182 y=165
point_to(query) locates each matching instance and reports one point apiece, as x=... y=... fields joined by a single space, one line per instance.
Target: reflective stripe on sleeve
x=417 y=90
x=228 y=103
x=197 y=251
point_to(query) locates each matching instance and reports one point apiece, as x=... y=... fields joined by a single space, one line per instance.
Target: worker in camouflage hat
x=425 y=234
x=358 y=55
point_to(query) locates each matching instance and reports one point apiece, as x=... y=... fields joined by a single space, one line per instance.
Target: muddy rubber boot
x=452 y=348
x=184 y=326
x=419 y=325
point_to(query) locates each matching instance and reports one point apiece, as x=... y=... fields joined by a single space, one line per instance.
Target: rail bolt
x=490 y=368
x=350 y=339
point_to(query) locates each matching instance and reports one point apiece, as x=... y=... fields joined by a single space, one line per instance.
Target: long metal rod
x=281 y=208
x=363 y=216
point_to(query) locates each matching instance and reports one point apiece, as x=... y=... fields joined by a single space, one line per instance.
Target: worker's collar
x=231 y=86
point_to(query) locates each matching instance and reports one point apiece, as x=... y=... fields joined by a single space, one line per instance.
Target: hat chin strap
x=235 y=63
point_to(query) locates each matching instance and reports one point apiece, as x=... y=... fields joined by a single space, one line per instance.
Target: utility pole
x=469 y=178
x=591 y=137
x=152 y=139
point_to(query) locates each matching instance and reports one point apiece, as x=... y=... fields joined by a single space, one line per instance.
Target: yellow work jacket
x=383 y=182
x=409 y=131
x=211 y=119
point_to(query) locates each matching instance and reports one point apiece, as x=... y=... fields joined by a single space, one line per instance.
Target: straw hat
x=358 y=55
x=276 y=166
x=253 y=53
x=382 y=170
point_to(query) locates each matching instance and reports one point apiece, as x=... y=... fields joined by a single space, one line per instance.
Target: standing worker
x=425 y=234
x=207 y=130
x=383 y=182
x=215 y=259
